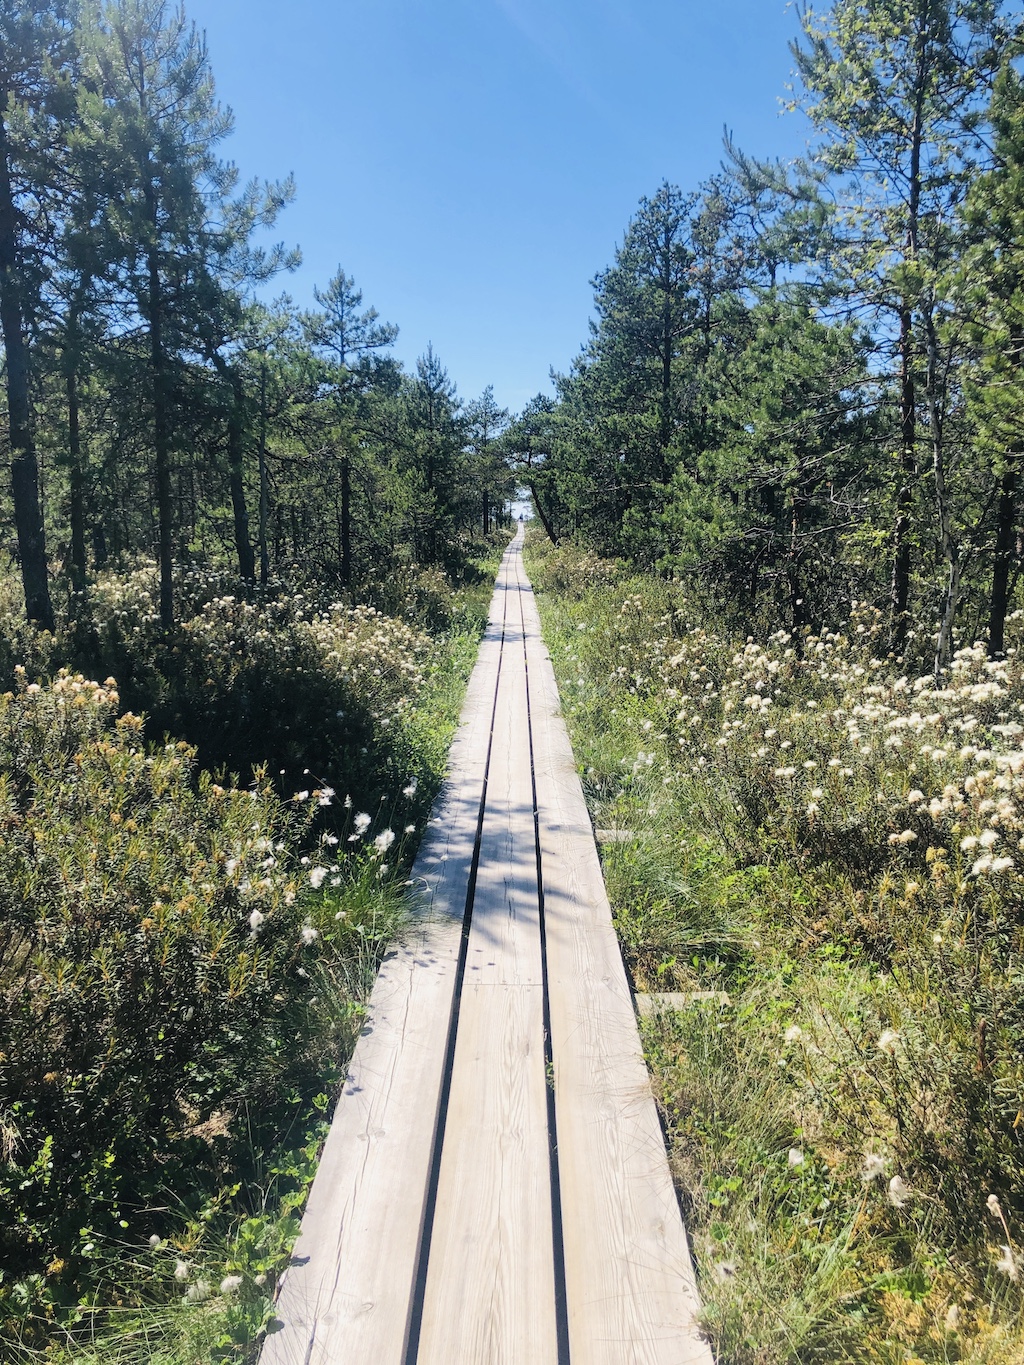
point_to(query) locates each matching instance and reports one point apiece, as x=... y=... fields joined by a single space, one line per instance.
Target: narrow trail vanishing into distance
x=495 y=1188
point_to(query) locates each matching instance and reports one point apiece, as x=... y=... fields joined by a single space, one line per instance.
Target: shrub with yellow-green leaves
x=156 y=961
x=183 y=952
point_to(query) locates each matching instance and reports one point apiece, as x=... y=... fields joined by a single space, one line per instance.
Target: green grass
x=814 y=840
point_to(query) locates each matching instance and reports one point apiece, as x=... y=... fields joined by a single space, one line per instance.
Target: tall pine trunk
x=236 y=480
x=796 y=595
x=264 y=507
x=899 y=597
x=162 y=428
x=76 y=479
x=899 y=593
x=28 y=516
x=236 y=469
x=540 y=512
x=948 y=543
x=1006 y=518
x=1006 y=526
x=346 y=521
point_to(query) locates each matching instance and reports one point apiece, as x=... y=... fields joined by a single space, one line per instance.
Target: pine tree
x=37 y=57
x=160 y=124
x=899 y=87
x=485 y=422
x=350 y=340
x=991 y=288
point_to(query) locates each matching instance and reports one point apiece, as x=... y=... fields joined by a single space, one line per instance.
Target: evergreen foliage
x=157 y=406
x=798 y=391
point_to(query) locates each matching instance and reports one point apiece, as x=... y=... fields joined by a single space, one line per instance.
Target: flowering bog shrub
x=153 y=967
x=291 y=681
x=825 y=856
x=419 y=594
x=182 y=958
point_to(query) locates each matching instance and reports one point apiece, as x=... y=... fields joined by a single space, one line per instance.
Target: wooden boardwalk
x=494 y=1189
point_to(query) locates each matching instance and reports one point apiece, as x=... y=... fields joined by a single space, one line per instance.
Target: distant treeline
x=805 y=381
x=156 y=406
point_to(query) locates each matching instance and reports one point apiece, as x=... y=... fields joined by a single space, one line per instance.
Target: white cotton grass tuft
x=873 y=1167
x=309 y=934
x=384 y=840
x=796 y=1157
x=180 y=1271
x=1007 y=1263
x=256 y=920
x=316 y=877
x=198 y=1292
x=898 y=1192
x=793 y=1034
x=230 y=1284
x=888 y=1041
x=154 y=1242
x=361 y=823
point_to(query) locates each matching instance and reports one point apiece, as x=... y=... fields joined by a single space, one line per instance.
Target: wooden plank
x=347 y=1291
x=490 y=1280
x=630 y=1287
x=489 y=1295
x=504 y=939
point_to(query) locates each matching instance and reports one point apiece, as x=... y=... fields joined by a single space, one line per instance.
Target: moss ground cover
x=822 y=853
x=192 y=909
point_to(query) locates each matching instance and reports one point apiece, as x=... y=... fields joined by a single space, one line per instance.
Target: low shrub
x=154 y=957
x=296 y=682
x=182 y=953
x=824 y=854
x=173 y=980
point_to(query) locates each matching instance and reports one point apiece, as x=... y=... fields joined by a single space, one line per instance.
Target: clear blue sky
x=473 y=163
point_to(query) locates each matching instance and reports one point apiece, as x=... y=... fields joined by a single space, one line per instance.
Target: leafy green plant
x=183 y=958
x=821 y=853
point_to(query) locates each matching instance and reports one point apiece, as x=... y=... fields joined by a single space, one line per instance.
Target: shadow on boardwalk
x=495 y=1188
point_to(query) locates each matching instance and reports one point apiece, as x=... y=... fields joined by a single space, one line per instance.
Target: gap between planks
x=494 y=1245
x=355 y=1261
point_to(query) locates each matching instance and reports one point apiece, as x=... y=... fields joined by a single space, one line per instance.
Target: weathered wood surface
x=458 y=1215
x=347 y=1292
x=630 y=1287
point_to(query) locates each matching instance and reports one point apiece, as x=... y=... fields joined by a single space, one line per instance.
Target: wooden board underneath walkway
x=495 y=1188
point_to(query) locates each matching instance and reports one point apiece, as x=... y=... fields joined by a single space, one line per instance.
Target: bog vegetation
x=819 y=852
x=241 y=595
x=781 y=491
x=780 y=486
